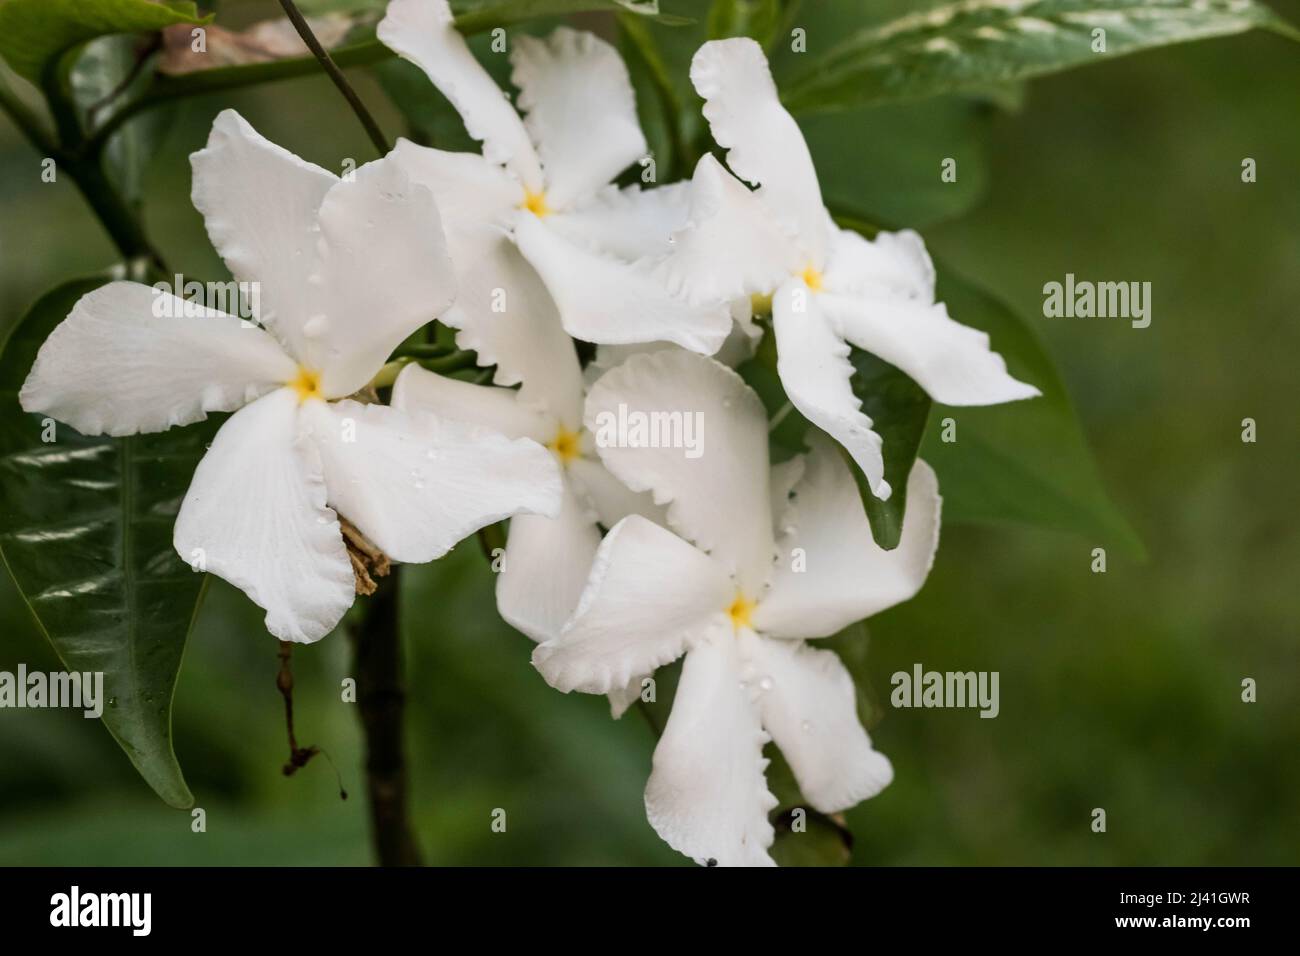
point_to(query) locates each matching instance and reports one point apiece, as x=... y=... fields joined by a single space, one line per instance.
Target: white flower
x=829 y=286
x=547 y=559
x=545 y=180
x=772 y=560
x=346 y=271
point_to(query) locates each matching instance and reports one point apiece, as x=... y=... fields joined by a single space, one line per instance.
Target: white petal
x=649 y=597
x=813 y=362
x=707 y=795
x=612 y=500
x=418 y=390
x=416 y=485
x=631 y=223
x=502 y=309
x=545 y=568
x=732 y=246
x=844 y=577
x=260 y=204
x=471 y=192
x=764 y=143
x=383 y=271
x=951 y=361
x=423 y=32
x=809 y=707
x=114 y=367
x=621 y=698
x=256 y=515
x=580 y=111
x=892 y=264
x=718 y=499
x=605 y=300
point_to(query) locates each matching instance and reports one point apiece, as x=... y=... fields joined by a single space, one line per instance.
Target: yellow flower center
x=741 y=612
x=566 y=445
x=535 y=203
x=812 y=278
x=306 y=383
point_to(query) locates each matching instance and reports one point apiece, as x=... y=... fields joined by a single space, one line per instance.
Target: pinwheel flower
x=828 y=286
x=547 y=559
x=347 y=270
x=760 y=563
x=545 y=181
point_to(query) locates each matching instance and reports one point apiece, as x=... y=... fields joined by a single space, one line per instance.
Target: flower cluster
x=622 y=555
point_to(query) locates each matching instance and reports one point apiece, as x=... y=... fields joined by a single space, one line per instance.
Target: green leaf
x=757 y=19
x=975 y=43
x=884 y=163
x=1024 y=461
x=33 y=33
x=499 y=13
x=898 y=409
x=86 y=533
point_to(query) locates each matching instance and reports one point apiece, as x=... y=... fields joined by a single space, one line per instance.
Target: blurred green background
x=1119 y=690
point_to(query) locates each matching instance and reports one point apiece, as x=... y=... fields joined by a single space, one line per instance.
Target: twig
x=381 y=699
x=304 y=30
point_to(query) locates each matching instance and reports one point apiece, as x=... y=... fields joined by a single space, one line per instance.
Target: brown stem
x=336 y=75
x=298 y=756
x=381 y=698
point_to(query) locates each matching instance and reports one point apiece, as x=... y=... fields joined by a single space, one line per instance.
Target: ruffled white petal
x=718 y=499
x=502 y=310
x=416 y=485
x=707 y=796
x=631 y=223
x=423 y=32
x=256 y=515
x=813 y=362
x=621 y=698
x=608 y=301
x=382 y=272
x=764 y=143
x=114 y=367
x=579 y=109
x=649 y=597
x=610 y=498
x=545 y=568
x=892 y=264
x=260 y=205
x=830 y=572
x=951 y=361
x=808 y=705
x=471 y=192
x=732 y=245
x=417 y=390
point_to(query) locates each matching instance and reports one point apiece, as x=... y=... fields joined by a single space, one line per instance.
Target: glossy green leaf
x=898 y=409
x=973 y=43
x=86 y=533
x=35 y=32
x=1024 y=461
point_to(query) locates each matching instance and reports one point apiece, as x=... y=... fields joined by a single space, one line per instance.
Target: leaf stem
x=381 y=698
x=327 y=62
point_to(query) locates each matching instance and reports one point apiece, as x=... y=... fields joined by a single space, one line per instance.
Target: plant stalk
x=381 y=698
x=336 y=75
